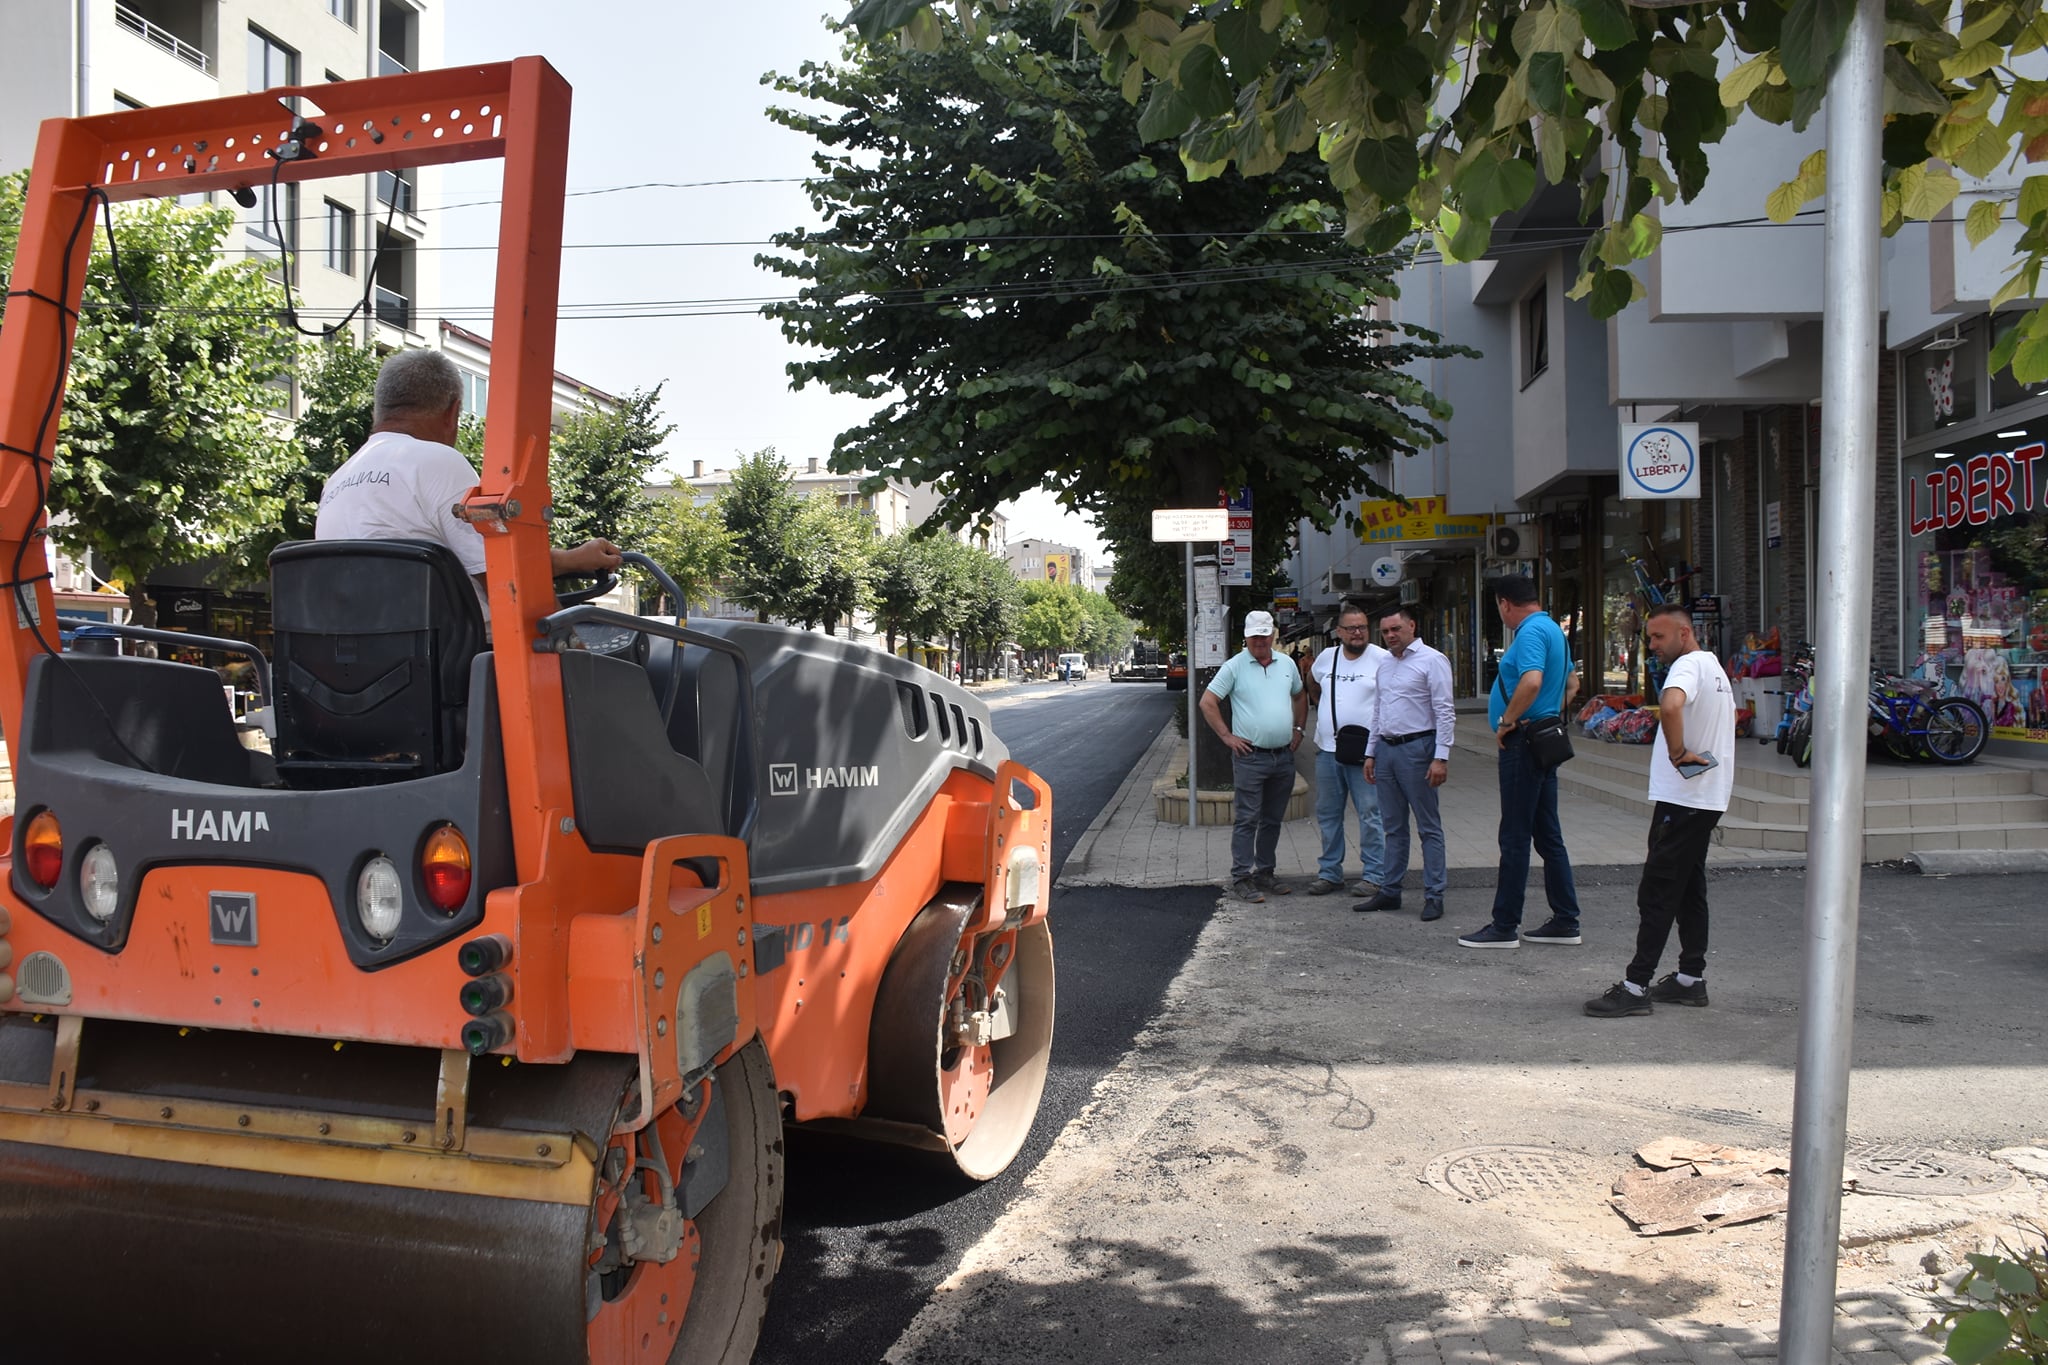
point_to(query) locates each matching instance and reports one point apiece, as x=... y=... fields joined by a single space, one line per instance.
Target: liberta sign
x=1660 y=460
x=1980 y=489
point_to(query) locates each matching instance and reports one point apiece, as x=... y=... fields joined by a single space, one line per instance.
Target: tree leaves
x=1494 y=184
x=1813 y=33
x=1389 y=167
x=1606 y=22
x=1978 y=1336
x=1923 y=194
x=1982 y=220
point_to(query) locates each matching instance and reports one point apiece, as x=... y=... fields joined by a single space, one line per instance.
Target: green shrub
x=2000 y=1316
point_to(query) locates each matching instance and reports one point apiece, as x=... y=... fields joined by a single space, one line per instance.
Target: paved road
x=869 y=1234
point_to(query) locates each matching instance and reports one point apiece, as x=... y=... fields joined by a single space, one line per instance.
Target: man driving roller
x=405 y=482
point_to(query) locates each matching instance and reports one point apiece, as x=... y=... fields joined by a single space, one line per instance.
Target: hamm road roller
x=464 y=1021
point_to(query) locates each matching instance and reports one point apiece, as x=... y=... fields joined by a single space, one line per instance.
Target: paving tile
x=1714 y=1352
x=1461 y=1349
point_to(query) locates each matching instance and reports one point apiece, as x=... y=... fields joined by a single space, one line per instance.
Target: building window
x=341 y=238
x=1535 y=335
x=396 y=189
x=476 y=393
x=397 y=38
x=127 y=101
x=344 y=10
x=270 y=62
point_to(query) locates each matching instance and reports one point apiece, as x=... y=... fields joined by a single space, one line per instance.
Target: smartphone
x=1695 y=769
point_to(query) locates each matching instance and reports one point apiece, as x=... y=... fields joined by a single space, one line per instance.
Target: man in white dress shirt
x=1408 y=757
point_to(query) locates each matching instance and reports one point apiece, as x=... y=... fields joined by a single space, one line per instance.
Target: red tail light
x=42 y=849
x=444 y=868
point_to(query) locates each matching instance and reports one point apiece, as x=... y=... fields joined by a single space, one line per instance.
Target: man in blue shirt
x=1267 y=709
x=1530 y=686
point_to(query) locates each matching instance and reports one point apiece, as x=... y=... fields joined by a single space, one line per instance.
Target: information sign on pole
x=1174 y=524
x=1660 y=460
x=1234 y=556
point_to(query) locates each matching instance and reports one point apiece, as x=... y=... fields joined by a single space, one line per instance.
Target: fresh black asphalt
x=870 y=1233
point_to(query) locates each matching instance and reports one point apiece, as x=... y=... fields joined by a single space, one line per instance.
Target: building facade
x=1728 y=338
x=1034 y=561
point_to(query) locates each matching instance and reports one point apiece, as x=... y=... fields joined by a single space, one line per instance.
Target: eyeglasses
x=1348 y=629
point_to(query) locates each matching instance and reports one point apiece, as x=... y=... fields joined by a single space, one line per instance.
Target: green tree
x=759 y=508
x=907 y=570
x=991 y=602
x=1045 y=300
x=1054 y=619
x=339 y=391
x=1444 y=116
x=828 y=566
x=165 y=454
x=598 y=464
x=688 y=541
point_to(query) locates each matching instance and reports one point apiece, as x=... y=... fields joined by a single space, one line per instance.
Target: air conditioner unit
x=1336 y=581
x=1520 y=541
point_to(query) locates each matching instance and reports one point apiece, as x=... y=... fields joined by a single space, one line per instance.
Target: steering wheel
x=605 y=583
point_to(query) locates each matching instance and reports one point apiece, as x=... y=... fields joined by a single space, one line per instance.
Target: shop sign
x=1661 y=460
x=1980 y=489
x=1386 y=571
x=1417 y=519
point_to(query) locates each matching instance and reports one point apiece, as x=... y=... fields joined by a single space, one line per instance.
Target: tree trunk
x=141 y=608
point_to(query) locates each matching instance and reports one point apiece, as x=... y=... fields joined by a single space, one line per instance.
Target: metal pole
x=1848 y=471
x=1194 y=716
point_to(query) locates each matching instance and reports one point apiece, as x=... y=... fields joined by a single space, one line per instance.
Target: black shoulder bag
x=1351 y=739
x=1550 y=741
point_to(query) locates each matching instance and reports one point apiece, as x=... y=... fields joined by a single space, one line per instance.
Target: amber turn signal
x=444 y=868
x=42 y=849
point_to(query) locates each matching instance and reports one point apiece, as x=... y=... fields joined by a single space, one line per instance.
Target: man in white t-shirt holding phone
x=1692 y=775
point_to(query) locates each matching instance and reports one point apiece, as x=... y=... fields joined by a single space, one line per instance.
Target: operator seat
x=374 y=642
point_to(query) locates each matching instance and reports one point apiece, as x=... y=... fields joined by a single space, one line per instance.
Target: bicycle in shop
x=1653 y=589
x=1909 y=717
x=1795 y=722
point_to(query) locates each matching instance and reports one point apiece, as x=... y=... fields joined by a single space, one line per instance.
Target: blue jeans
x=1263 y=783
x=1335 y=782
x=1528 y=814
x=1401 y=772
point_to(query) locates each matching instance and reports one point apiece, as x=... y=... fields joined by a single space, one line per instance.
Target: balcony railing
x=395 y=190
x=388 y=65
x=392 y=308
x=163 y=38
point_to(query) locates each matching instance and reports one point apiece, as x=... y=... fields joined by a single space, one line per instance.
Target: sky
x=670 y=93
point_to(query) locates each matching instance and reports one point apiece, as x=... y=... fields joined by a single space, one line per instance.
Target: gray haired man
x=406 y=480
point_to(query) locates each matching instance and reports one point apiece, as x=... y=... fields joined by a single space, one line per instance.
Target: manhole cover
x=1517 y=1173
x=1923 y=1172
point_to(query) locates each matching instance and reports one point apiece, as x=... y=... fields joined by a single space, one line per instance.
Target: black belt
x=1403 y=739
x=1283 y=749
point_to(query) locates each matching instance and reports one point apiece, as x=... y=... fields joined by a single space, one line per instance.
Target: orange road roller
x=464 y=1019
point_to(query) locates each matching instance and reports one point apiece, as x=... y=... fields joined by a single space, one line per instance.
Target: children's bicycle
x=1652 y=591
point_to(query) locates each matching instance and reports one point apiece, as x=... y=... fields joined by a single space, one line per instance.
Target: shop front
x=1438 y=570
x=1976 y=572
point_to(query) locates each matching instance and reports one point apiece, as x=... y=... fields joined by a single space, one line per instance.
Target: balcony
x=388 y=65
x=392 y=308
x=394 y=189
x=158 y=36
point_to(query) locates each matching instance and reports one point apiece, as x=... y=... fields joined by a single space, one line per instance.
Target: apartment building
x=344 y=238
x=1034 y=560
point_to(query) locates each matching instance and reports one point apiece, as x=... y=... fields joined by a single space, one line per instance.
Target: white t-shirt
x=1709 y=729
x=398 y=487
x=1356 y=690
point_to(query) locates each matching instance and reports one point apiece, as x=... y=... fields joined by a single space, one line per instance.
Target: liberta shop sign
x=1978 y=490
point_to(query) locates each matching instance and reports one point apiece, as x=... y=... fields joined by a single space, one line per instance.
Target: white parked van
x=1073 y=667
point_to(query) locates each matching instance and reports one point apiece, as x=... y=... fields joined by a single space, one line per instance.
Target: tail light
x=42 y=849
x=444 y=868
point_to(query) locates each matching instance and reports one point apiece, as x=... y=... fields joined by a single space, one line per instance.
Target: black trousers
x=1674 y=890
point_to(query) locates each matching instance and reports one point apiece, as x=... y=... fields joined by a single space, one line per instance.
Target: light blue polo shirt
x=1539 y=644
x=1261 y=699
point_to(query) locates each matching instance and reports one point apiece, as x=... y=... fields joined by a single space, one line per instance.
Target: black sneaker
x=1618 y=1003
x=1490 y=937
x=1382 y=901
x=1432 y=908
x=1248 y=890
x=1556 y=931
x=1672 y=991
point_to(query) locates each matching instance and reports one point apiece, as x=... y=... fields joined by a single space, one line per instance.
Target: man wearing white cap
x=1268 y=709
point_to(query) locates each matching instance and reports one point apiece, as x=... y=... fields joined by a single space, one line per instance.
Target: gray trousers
x=1263 y=782
x=1401 y=772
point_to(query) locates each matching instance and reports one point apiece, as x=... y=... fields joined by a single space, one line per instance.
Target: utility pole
x=1834 y=875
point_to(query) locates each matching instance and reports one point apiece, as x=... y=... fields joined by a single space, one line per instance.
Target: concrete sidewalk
x=1128 y=845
